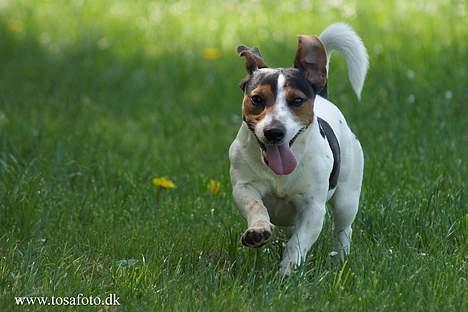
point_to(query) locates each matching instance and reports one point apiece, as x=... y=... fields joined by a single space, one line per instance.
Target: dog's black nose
x=274 y=133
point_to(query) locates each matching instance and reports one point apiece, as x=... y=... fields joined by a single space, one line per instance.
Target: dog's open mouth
x=279 y=157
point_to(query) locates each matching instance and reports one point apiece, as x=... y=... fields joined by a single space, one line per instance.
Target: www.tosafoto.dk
x=80 y=299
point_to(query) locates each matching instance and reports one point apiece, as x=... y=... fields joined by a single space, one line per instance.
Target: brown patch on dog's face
x=301 y=105
x=256 y=104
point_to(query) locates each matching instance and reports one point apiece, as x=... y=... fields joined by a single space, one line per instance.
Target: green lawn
x=99 y=97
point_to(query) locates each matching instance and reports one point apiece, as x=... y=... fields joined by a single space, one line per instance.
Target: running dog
x=294 y=150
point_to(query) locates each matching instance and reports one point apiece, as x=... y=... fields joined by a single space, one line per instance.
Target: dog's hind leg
x=345 y=204
x=345 y=207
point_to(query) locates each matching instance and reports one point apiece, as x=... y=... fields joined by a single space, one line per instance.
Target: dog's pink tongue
x=280 y=158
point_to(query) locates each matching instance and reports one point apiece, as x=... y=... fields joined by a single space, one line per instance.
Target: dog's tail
x=342 y=38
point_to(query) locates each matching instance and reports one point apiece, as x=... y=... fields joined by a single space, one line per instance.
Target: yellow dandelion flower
x=164 y=183
x=211 y=54
x=214 y=186
x=15 y=26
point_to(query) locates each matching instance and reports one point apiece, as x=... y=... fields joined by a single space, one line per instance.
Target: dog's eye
x=257 y=101
x=297 y=101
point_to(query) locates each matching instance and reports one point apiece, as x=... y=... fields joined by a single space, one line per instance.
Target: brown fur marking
x=305 y=112
x=311 y=58
x=252 y=114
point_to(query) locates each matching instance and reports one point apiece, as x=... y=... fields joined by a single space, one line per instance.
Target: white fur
x=342 y=38
x=280 y=113
x=298 y=200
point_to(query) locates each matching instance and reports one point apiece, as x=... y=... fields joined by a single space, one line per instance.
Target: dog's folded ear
x=253 y=58
x=311 y=59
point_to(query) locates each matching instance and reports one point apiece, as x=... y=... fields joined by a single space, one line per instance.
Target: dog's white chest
x=282 y=210
x=285 y=196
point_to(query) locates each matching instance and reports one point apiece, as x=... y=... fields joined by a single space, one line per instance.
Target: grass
x=99 y=97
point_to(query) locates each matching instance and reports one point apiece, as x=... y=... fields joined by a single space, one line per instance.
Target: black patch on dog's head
x=259 y=77
x=295 y=78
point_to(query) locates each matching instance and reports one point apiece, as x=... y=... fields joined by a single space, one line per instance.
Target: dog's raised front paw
x=257 y=235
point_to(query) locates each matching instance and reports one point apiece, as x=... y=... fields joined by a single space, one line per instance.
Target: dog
x=294 y=151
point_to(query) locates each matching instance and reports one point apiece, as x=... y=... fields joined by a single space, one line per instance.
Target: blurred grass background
x=99 y=97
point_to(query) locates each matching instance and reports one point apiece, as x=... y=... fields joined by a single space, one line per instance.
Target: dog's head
x=278 y=102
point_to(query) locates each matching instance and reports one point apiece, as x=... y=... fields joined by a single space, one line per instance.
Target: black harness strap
x=327 y=132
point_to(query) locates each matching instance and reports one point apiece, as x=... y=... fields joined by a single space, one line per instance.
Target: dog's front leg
x=249 y=201
x=308 y=227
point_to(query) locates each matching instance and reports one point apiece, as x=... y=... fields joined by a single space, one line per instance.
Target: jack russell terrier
x=294 y=150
